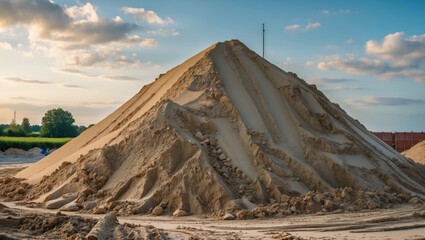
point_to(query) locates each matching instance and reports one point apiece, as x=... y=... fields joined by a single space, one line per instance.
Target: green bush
x=27 y=143
x=34 y=134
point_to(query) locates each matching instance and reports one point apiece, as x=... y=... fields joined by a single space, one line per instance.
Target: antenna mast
x=264 y=30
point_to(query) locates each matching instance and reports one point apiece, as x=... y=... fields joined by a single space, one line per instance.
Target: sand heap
x=417 y=152
x=225 y=130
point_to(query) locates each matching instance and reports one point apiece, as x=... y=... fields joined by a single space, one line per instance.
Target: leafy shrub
x=27 y=143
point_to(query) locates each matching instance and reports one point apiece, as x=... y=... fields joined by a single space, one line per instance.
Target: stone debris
x=229 y=216
x=157 y=211
x=180 y=213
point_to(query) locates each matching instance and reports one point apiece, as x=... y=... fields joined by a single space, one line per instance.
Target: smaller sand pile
x=416 y=153
x=15 y=152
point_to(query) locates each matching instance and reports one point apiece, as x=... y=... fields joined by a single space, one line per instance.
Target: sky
x=89 y=57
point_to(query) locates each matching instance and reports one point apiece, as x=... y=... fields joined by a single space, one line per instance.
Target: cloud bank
x=308 y=27
x=78 y=32
x=371 y=101
x=148 y=16
x=92 y=75
x=39 y=82
x=396 y=56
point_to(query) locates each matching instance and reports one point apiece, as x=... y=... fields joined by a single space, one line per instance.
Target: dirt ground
x=401 y=222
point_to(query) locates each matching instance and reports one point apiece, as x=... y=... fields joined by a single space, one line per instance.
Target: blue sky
x=89 y=57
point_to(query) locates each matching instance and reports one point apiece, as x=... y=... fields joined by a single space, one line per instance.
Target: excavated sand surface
x=224 y=132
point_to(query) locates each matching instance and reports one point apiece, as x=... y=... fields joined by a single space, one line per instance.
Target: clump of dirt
x=13 y=189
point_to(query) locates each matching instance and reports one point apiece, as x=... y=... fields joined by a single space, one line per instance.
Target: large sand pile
x=417 y=152
x=224 y=131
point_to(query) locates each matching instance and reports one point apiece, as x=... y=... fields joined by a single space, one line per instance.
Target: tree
x=58 y=123
x=81 y=129
x=35 y=128
x=15 y=130
x=26 y=125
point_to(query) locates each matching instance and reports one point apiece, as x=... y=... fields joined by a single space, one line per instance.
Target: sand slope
x=225 y=130
x=417 y=152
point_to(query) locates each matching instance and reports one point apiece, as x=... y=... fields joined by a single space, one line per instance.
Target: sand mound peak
x=417 y=152
x=224 y=131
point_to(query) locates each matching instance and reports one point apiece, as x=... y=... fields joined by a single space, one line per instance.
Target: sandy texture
x=402 y=222
x=18 y=224
x=416 y=153
x=226 y=131
x=10 y=170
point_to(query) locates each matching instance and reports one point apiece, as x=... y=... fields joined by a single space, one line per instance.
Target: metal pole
x=263 y=39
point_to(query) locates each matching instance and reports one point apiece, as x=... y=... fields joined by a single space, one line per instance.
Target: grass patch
x=27 y=143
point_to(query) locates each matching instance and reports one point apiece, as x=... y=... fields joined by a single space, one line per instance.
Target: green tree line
x=56 y=123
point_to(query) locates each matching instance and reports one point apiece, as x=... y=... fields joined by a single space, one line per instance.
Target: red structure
x=401 y=141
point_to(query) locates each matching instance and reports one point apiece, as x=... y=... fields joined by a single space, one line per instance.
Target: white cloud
x=288 y=62
x=67 y=27
x=42 y=82
x=345 y=88
x=349 y=41
x=399 y=49
x=339 y=11
x=20 y=80
x=310 y=63
x=70 y=86
x=331 y=80
x=41 y=14
x=81 y=14
x=119 y=78
x=371 y=101
x=396 y=56
x=351 y=64
x=28 y=54
x=163 y=32
x=307 y=27
x=149 y=42
x=93 y=75
x=311 y=26
x=292 y=27
x=77 y=32
x=101 y=56
x=344 y=11
x=149 y=16
x=326 y=12
x=336 y=84
x=5 y=46
x=330 y=47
